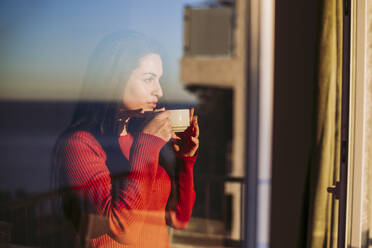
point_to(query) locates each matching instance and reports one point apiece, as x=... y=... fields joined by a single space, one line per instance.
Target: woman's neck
x=124 y=132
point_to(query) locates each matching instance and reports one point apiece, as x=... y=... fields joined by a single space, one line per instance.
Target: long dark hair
x=110 y=66
x=101 y=101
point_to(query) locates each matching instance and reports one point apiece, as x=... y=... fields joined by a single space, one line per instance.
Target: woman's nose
x=158 y=91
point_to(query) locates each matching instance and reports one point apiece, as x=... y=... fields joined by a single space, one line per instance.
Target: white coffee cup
x=180 y=119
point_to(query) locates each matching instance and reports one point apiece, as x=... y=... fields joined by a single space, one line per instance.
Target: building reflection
x=216 y=75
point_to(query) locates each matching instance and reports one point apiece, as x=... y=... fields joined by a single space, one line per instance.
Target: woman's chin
x=147 y=109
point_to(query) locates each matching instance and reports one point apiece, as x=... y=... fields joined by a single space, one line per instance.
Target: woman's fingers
x=196 y=127
x=176 y=147
x=195 y=140
x=189 y=143
x=159 y=110
x=175 y=136
x=159 y=125
x=191 y=114
x=162 y=115
x=139 y=112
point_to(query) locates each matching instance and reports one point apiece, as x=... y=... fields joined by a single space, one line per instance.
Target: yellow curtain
x=368 y=116
x=322 y=216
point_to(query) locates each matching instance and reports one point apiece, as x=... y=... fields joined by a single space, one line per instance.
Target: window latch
x=335 y=190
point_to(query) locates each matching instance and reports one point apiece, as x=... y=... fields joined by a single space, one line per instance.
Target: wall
x=296 y=38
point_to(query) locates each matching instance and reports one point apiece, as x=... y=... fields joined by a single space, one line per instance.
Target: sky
x=45 y=45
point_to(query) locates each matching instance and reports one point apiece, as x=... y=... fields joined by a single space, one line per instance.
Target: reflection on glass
x=109 y=154
x=110 y=189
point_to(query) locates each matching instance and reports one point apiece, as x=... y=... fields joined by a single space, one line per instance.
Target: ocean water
x=28 y=131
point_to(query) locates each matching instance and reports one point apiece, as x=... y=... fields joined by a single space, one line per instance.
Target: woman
x=109 y=154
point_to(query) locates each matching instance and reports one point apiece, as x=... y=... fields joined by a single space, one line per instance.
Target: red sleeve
x=86 y=170
x=185 y=194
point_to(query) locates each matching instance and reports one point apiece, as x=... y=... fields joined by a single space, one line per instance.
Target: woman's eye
x=148 y=80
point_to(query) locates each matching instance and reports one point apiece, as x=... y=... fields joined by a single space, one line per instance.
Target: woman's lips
x=152 y=104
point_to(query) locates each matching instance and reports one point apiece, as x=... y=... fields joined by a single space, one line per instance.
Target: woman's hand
x=159 y=126
x=187 y=143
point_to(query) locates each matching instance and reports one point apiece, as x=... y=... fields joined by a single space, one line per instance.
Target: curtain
x=368 y=116
x=321 y=208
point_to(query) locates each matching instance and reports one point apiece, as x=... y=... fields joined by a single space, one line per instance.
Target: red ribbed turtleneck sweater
x=136 y=218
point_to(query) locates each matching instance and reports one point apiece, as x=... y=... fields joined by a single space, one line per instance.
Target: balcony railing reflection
x=37 y=221
x=211 y=229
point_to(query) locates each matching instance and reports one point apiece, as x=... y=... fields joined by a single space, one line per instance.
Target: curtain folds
x=321 y=209
x=368 y=116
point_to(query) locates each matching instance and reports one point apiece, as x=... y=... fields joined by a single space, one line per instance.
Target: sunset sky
x=45 y=44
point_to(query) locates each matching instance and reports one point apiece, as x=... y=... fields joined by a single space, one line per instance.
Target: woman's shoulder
x=80 y=136
x=83 y=140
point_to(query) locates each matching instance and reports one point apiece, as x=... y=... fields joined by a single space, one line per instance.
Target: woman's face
x=143 y=89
